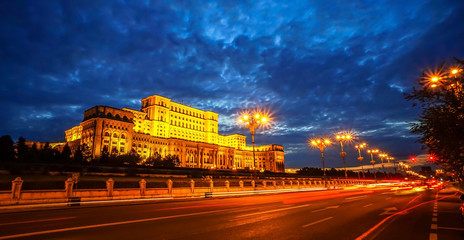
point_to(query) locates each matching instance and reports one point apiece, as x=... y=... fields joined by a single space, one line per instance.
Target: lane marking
x=388 y=198
x=327 y=208
x=370 y=204
x=433 y=235
x=363 y=196
x=316 y=222
x=271 y=211
x=189 y=207
x=107 y=224
x=364 y=235
x=414 y=199
x=388 y=211
x=39 y=220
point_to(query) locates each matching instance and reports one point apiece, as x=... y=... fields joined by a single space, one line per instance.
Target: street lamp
x=389 y=164
x=342 y=138
x=360 y=158
x=436 y=78
x=382 y=156
x=253 y=121
x=371 y=152
x=321 y=144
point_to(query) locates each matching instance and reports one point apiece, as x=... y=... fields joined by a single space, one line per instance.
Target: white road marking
x=107 y=224
x=370 y=204
x=389 y=211
x=433 y=235
x=316 y=222
x=271 y=211
x=322 y=209
x=363 y=196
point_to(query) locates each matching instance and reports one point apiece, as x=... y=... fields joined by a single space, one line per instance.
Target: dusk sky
x=321 y=66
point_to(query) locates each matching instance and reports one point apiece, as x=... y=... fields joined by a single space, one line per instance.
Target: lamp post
x=253 y=121
x=389 y=164
x=382 y=156
x=371 y=152
x=321 y=144
x=360 y=158
x=342 y=138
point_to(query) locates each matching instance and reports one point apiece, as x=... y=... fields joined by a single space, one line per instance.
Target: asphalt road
x=336 y=214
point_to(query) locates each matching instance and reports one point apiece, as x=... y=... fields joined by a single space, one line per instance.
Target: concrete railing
x=71 y=195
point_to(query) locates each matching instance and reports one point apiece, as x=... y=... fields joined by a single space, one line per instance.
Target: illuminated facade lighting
x=166 y=127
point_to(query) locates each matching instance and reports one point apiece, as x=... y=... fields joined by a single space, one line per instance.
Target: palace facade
x=166 y=127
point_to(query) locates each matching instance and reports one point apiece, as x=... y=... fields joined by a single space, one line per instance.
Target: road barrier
x=74 y=196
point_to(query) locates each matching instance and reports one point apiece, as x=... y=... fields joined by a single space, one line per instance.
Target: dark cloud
x=323 y=66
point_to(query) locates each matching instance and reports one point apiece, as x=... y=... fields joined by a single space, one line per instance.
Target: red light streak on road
x=364 y=235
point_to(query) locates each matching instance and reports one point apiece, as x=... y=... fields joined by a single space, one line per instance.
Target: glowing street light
x=371 y=152
x=321 y=144
x=253 y=120
x=360 y=158
x=441 y=77
x=343 y=138
x=382 y=156
x=389 y=164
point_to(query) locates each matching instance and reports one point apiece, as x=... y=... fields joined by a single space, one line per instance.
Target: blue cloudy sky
x=322 y=66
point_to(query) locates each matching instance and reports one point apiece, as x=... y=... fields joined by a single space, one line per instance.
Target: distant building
x=166 y=127
x=40 y=145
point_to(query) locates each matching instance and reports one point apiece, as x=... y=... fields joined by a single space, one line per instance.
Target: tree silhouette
x=21 y=149
x=66 y=153
x=440 y=125
x=7 y=152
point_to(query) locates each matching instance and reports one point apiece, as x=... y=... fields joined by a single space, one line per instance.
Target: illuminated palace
x=166 y=127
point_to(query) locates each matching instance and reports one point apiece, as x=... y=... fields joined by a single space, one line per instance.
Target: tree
x=154 y=161
x=310 y=171
x=86 y=153
x=128 y=159
x=440 y=125
x=171 y=161
x=45 y=154
x=66 y=153
x=32 y=153
x=78 y=156
x=104 y=157
x=21 y=149
x=7 y=152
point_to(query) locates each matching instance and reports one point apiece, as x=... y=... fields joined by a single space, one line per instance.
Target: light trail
x=107 y=224
x=35 y=221
x=364 y=235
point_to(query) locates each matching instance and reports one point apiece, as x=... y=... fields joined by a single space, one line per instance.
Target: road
x=369 y=213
